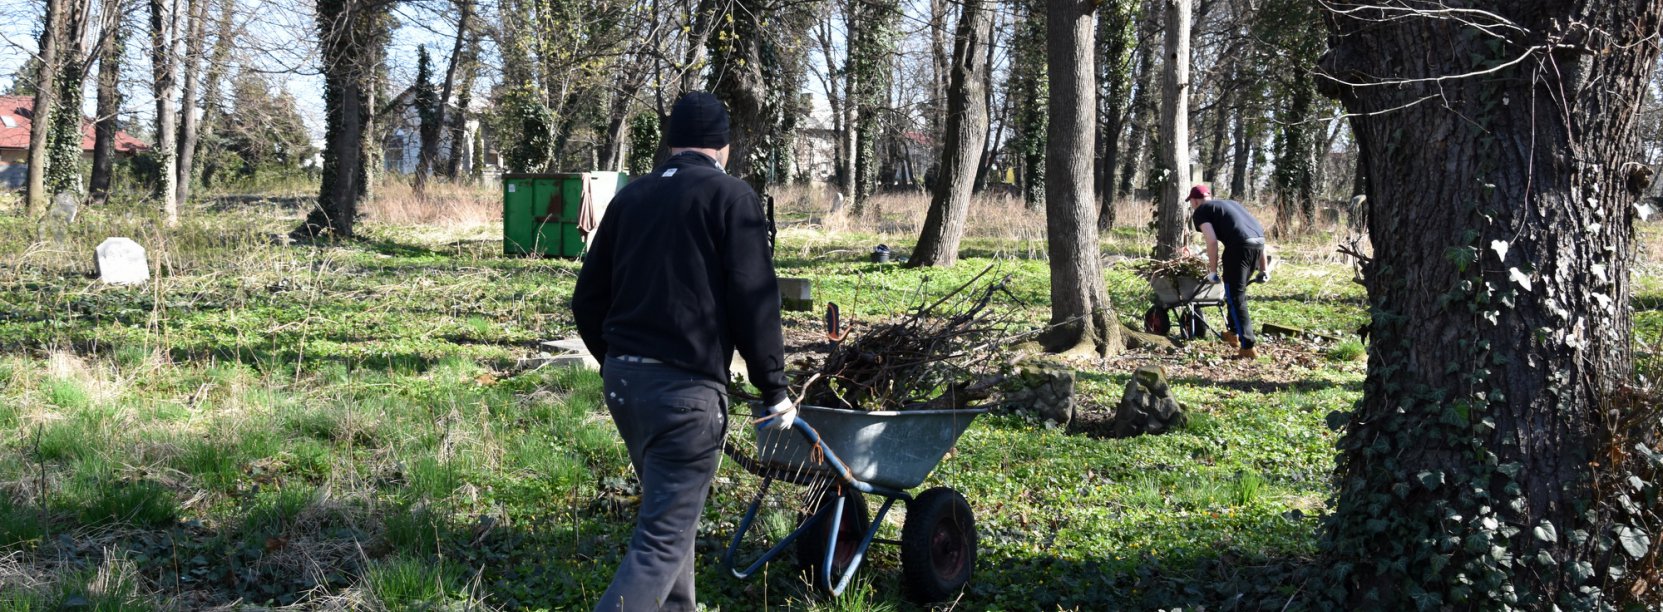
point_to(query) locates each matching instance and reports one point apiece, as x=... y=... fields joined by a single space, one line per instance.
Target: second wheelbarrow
x=854 y=452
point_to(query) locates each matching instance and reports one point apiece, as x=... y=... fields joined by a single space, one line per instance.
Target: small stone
x=122 y=262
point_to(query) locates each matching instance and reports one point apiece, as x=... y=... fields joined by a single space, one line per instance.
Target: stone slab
x=122 y=262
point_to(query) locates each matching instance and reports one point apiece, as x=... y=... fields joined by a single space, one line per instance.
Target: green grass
x=357 y=408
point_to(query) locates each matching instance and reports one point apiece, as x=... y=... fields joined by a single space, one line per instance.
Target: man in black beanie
x=678 y=276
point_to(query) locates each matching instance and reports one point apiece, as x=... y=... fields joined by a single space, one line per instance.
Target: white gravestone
x=121 y=261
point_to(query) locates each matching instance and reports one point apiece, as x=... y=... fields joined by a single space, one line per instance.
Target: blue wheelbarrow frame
x=877 y=453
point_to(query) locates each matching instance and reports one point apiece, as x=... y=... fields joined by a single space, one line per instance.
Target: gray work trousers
x=672 y=421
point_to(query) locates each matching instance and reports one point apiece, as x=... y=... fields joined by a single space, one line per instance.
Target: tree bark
x=188 y=123
x=1082 y=320
x=965 y=134
x=1175 y=131
x=164 y=29
x=111 y=46
x=1504 y=172
x=40 y=116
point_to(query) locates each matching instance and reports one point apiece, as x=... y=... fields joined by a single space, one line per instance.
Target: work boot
x=1247 y=353
x=1231 y=339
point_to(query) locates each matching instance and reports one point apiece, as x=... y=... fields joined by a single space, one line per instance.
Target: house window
x=8 y=120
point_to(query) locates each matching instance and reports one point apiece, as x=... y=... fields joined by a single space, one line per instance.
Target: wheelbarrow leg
x=860 y=552
x=744 y=526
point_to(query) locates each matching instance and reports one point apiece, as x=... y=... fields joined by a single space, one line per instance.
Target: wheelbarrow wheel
x=811 y=546
x=1157 y=321
x=938 y=545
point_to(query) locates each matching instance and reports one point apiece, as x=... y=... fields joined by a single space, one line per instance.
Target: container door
x=517 y=226
x=546 y=215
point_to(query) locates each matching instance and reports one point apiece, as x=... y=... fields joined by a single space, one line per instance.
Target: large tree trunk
x=111 y=46
x=1082 y=320
x=351 y=33
x=188 y=123
x=1175 y=132
x=40 y=116
x=965 y=134
x=1504 y=172
x=63 y=167
x=164 y=29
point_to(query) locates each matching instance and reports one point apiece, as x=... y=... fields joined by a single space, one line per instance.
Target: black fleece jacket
x=680 y=271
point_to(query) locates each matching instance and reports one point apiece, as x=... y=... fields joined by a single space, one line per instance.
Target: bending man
x=1227 y=221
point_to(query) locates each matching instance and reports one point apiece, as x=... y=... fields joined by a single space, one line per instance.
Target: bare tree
x=189 y=124
x=965 y=133
x=1082 y=320
x=1175 y=131
x=164 y=36
x=111 y=46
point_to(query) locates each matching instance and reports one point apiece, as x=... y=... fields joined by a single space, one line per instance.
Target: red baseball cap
x=1199 y=191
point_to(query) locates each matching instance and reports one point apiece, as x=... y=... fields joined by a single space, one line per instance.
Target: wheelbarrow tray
x=889 y=449
x=1177 y=291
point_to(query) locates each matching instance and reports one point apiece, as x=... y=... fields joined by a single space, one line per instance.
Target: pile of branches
x=1185 y=265
x=942 y=355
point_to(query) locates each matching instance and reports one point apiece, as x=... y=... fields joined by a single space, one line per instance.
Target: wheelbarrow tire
x=1157 y=321
x=938 y=546
x=811 y=546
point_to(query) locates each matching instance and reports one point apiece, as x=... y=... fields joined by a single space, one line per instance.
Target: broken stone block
x=1147 y=406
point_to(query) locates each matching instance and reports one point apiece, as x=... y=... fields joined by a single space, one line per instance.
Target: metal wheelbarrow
x=1186 y=297
x=853 y=452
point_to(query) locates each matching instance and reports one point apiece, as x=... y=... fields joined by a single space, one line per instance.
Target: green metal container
x=540 y=212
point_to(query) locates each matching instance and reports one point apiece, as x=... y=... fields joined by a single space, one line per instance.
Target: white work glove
x=780 y=416
x=1213 y=278
x=1264 y=277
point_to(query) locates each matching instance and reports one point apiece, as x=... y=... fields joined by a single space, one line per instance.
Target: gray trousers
x=672 y=421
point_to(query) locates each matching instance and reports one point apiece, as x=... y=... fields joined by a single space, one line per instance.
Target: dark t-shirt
x=1231 y=222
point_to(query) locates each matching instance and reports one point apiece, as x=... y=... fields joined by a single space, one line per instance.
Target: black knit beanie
x=698 y=120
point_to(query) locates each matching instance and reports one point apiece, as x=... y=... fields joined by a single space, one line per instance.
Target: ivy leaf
x=1500 y=247
x=1634 y=541
x=1338 y=419
x=1545 y=532
x=1519 y=277
x=1581 y=571
x=1644 y=210
x=1430 y=479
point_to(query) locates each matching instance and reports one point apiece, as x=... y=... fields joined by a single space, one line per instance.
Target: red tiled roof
x=16 y=113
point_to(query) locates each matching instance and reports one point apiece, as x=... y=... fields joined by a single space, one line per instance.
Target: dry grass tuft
x=450 y=204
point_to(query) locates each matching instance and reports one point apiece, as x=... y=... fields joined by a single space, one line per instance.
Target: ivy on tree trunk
x=1503 y=176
